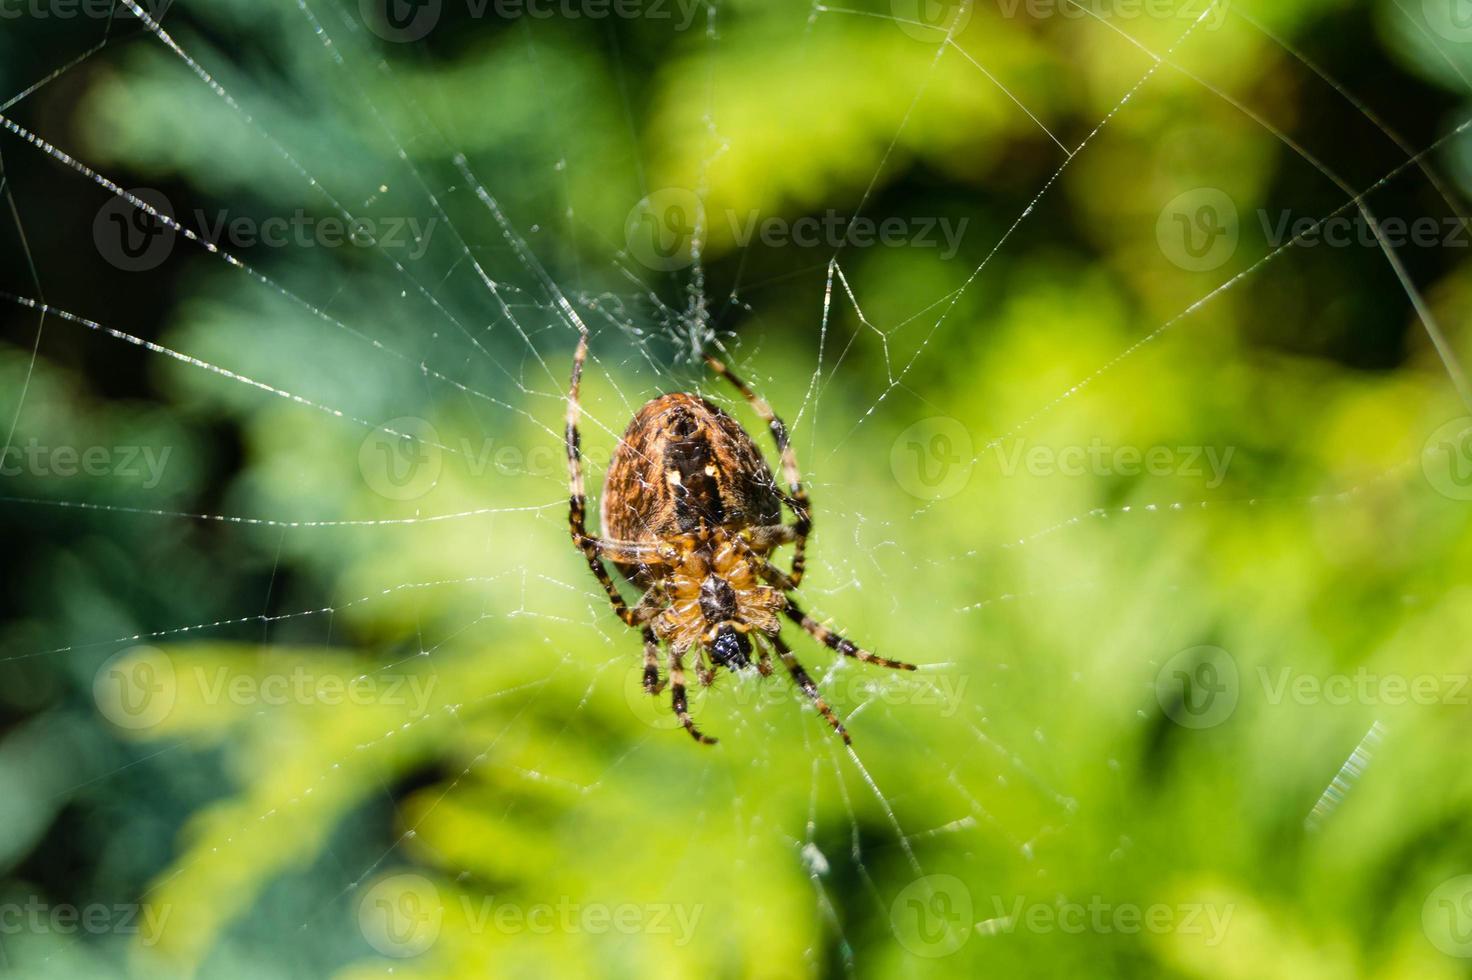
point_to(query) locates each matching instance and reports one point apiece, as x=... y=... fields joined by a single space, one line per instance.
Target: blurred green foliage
x=518 y=765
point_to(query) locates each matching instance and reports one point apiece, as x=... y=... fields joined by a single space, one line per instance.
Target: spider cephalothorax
x=715 y=598
x=691 y=514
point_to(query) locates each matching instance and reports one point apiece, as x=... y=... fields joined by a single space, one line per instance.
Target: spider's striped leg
x=796 y=497
x=677 y=699
x=577 y=514
x=805 y=682
x=764 y=660
x=771 y=572
x=651 y=662
x=830 y=639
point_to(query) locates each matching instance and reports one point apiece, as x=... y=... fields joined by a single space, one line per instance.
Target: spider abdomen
x=681 y=465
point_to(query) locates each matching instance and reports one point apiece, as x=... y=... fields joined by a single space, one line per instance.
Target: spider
x=690 y=515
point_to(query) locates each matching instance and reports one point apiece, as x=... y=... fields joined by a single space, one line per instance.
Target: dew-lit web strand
x=808 y=849
x=222 y=372
x=1452 y=367
x=50 y=77
x=492 y=286
x=169 y=222
x=413 y=831
x=269 y=522
x=1428 y=320
x=1432 y=42
x=1223 y=288
x=219 y=90
x=947 y=41
x=451 y=710
x=1359 y=105
x=25 y=243
x=1179 y=506
x=1026 y=213
x=560 y=305
x=1346 y=778
x=257 y=618
x=1415 y=160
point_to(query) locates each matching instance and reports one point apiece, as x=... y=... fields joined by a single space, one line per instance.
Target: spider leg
x=770 y=572
x=832 y=640
x=577 y=514
x=796 y=498
x=677 y=699
x=801 y=678
x=651 y=663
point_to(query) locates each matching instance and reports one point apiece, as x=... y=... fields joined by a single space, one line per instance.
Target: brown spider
x=690 y=515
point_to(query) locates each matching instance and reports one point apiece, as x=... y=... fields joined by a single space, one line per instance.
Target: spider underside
x=691 y=515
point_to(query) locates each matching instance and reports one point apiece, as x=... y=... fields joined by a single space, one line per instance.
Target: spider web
x=428 y=354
